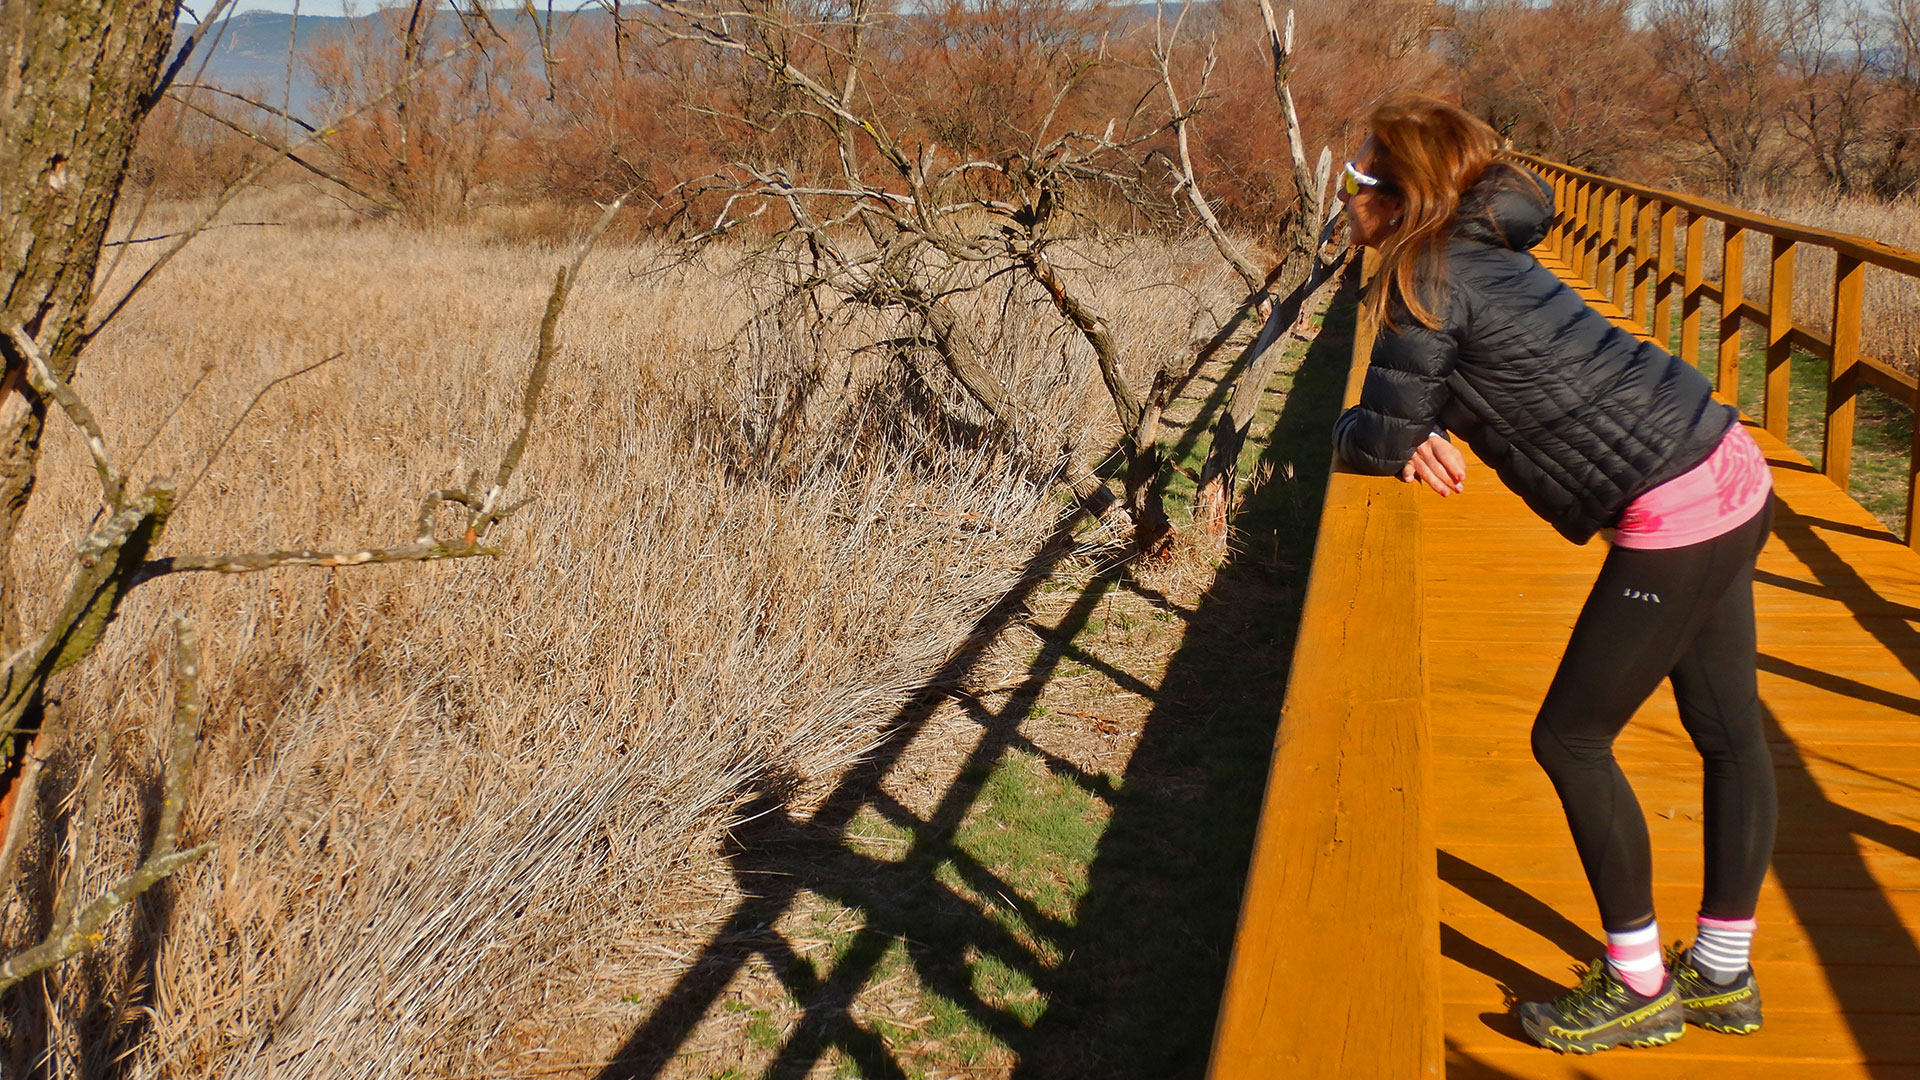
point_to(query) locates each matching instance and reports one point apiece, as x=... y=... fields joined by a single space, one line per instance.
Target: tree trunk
x=75 y=81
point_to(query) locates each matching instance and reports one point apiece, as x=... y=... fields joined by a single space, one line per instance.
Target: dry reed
x=1891 y=307
x=454 y=802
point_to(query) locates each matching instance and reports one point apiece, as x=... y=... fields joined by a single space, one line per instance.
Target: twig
x=270 y=110
x=483 y=518
x=221 y=446
x=171 y=235
x=113 y=483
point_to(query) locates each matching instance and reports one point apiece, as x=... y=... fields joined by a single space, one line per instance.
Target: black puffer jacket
x=1576 y=415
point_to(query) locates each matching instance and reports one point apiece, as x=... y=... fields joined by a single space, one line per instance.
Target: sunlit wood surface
x=1838 y=599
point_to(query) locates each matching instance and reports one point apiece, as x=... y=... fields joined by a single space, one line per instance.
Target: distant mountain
x=248 y=53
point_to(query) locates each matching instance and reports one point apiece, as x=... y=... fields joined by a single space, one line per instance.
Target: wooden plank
x=1345 y=843
x=1526 y=863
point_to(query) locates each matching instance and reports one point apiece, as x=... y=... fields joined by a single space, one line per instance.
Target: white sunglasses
x=1352 y=180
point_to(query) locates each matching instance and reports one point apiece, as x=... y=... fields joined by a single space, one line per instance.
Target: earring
x=1394 y=224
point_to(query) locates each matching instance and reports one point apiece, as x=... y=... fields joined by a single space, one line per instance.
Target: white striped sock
x=1722 y=949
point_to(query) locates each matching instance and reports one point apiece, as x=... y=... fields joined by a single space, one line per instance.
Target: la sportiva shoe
x=1602 y=1013
x=1732 y=1009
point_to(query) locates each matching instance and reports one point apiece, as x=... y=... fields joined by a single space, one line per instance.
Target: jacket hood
x=1507 y=207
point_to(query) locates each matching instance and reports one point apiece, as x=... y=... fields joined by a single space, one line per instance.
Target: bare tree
x=1533 y=73
x=1722 y=60
x=1896 y=170
x=1830 y=106
x=899 y=227
x=67 y=123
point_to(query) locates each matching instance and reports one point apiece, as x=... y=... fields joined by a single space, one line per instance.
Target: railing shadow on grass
x=1131 y=977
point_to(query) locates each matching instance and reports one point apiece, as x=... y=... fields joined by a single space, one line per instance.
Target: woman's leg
x=1642 y=617
x=1715 y=686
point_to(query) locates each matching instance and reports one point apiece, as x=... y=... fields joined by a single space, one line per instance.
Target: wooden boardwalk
x=1838 y=600
x=1431 y=631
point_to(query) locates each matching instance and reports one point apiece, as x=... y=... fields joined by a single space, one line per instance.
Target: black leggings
x=1686 y=614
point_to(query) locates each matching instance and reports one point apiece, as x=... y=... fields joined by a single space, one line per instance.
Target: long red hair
x=1430 y=152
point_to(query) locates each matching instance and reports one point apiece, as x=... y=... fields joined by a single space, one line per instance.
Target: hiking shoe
x=1732 y=1009
x=1602 y=1013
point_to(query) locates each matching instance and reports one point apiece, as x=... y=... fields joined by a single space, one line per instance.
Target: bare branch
x=221 y=446
x=23 y=797
x=1189 y=184
x=187 y=715
x=255 y=561
x=1281 y=43
x=113 y=483
x=288 y=153
x=270 y=110
x=482 y=519
x=170 y=236
x=213 y=18
x=81 y=934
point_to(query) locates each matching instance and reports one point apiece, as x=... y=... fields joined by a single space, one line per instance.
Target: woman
x=1595 y=430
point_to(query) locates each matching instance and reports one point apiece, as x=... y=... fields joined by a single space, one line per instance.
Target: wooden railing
x=1336 y=962
x=1632 y=244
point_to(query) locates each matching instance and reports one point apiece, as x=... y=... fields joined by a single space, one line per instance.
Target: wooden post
x=1913 y=479
x=1733 y=266
x=1843 y=386
x=1692 y=278
x=1577 y=235
x=1606 y=253
x=1779 y=325
x=1662 y=271
x=1644 y=247
x=1628 y=254
x=1590 y=256
x=1554 y=230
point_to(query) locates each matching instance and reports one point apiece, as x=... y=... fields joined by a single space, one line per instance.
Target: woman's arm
x=1400 y=402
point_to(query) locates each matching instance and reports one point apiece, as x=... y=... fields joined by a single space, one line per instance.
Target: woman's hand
x=1439 y=464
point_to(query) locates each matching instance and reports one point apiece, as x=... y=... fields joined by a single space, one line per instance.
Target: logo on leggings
x=1636 y=594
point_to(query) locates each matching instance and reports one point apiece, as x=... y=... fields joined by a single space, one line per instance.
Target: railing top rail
x=1859 y=247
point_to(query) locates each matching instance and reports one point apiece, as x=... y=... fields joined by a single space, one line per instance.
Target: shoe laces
x=1598 y=989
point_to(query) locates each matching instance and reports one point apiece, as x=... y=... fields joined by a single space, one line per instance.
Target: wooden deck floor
x=1838 y=951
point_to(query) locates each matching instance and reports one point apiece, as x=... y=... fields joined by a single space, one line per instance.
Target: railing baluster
x=1733 y=248
x=1692 y=278
x=1624 y=253
x=1577 y=247
x=1596 y=214
x=1559 y=209
x=1843 y=387
x=1643 y=250
x=1662 y=275
x=1609 y=247
x=1913 y=477
x=1779 y=325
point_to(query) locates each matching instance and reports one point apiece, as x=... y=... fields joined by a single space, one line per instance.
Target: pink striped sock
x=1635 y=958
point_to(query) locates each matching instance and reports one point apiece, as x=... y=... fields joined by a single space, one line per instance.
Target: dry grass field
x=1891 y=319
x=459 y=806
